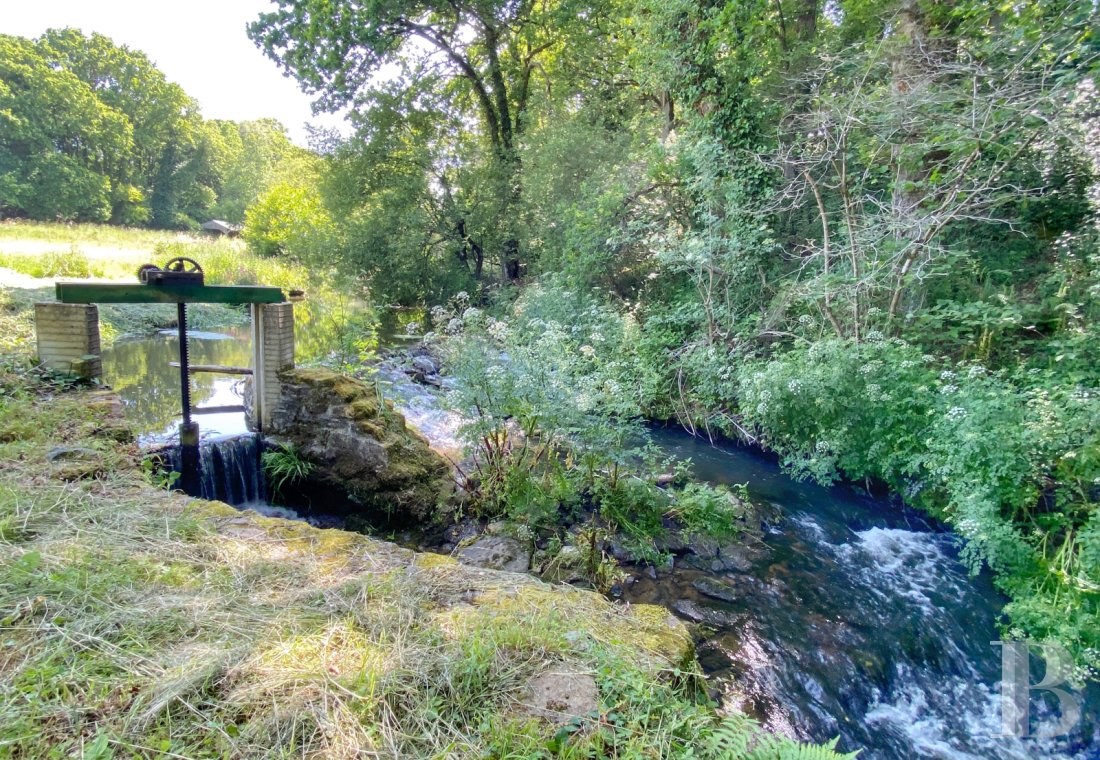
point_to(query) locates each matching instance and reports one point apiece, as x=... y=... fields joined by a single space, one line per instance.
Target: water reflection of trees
x=139 y=371
x=342 y=331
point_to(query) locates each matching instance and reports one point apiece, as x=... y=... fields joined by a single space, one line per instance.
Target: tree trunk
x=909 y=69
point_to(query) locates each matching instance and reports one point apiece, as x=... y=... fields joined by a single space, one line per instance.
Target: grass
x=98 y=235
x=45 y=250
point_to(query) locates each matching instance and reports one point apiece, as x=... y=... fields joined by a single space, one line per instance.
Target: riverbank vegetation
x=861 y=234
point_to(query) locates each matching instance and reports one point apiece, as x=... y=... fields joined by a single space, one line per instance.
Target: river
x=857 y=620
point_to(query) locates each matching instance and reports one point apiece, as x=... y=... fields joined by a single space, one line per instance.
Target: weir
x=69 y=341
x=231 y=470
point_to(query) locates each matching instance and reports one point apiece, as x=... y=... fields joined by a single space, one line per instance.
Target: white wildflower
x=496 y=328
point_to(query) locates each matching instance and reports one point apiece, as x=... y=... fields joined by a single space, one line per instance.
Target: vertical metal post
x=189 y=431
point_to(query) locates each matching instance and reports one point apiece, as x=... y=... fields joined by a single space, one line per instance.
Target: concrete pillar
x=67 y=334
x=273 y=352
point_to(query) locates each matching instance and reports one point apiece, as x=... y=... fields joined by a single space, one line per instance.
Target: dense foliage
x=92 y=131
x=863 y=234
x=557 y=439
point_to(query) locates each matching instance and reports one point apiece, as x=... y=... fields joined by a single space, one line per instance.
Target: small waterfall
x=231 y=470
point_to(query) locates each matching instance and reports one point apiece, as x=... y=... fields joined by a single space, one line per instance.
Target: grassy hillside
x=40 y=249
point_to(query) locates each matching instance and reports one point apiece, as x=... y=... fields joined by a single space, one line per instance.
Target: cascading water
x=858 y=621
x=231 y=470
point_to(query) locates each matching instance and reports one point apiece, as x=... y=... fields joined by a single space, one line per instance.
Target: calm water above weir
x=139 y=369
x=858 y=620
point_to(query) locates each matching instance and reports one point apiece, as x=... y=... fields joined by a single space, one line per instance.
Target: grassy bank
x=43 y=250
x=136 y=622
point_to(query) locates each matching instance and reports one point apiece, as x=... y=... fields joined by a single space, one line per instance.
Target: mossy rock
x=656 y=639
x=359 y=444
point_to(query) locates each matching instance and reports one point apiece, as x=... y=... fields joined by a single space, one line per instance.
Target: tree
x=906 y=140
x=125 y=80
x=61 y=148
x=290 y=219
x=257 y=155
x=486 y=52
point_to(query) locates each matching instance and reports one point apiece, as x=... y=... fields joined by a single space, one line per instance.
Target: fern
x=738 y=737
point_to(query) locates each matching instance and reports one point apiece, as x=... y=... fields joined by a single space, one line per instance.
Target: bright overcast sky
x=199 y=44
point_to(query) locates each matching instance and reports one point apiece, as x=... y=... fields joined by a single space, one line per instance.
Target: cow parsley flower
x=956 y=413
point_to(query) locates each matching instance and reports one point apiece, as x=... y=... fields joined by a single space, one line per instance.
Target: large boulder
x=358 y=443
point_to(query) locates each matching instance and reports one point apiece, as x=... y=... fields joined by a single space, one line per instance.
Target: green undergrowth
x=556 y=423
x=139 y=623
x=1006 y=455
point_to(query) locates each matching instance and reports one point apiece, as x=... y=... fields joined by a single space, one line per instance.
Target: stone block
x=67 y=335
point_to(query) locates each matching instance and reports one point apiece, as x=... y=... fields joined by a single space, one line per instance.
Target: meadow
x=335 y=322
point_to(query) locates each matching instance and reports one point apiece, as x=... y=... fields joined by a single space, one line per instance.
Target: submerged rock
x=359 y=443
x=716 y=589
x=497 y=553
x=697 y=613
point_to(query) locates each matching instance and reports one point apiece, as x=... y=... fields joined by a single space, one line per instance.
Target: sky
x=199 y=44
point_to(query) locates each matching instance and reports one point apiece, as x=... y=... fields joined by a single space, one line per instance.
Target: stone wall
x=359 y=444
